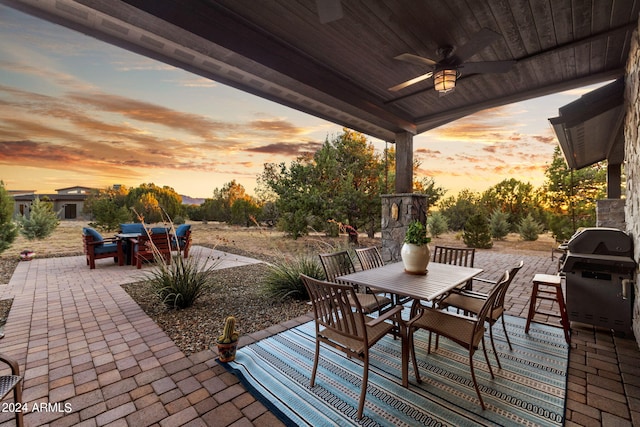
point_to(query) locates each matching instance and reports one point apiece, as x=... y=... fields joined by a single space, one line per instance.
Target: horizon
x=76 y=111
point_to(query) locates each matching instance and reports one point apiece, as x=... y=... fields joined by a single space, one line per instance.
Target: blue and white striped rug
x=528 y=390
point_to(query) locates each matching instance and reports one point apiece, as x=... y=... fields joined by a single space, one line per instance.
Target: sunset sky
x=77 y=111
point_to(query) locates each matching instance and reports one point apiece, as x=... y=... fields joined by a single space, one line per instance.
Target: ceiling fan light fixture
x=444 y=80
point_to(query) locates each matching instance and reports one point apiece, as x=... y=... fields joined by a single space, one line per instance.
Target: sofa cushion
x=106 y=248
x=95 y=236
x=135 y=227
x=182 y=230
x=159 y=230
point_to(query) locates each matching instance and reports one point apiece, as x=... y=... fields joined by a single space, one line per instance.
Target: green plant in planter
x=416 y=233
x=229 y=333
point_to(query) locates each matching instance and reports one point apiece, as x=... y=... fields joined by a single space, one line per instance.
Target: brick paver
x=84 y=344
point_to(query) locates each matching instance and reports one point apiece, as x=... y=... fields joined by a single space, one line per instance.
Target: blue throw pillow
x=132 y=228
x=182 y=229
x=88 y=231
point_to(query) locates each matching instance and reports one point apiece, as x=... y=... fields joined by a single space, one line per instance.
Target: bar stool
x=548 y=287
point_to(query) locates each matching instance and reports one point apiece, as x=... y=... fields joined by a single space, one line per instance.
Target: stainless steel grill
x=599 y=270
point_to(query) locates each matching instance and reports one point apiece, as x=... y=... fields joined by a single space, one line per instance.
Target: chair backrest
x=336 y=308
x=337 y=264
x=491 y=301
x=505 y=286
x=369 y=257
x=455 y=256
x=162 y=242
x=92 y=235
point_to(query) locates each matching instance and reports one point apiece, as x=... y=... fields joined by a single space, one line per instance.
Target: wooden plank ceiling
x=342 y=70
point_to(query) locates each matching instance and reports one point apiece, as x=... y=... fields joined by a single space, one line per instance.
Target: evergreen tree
x=8 y=228
x=499 y=224
x=42 y=220
x=476 y=232
x=437 y=224
x=529 y=229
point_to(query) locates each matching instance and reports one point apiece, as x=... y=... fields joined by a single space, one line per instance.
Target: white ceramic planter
x=415 y=258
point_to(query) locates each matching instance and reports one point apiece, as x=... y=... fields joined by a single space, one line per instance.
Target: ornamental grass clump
x=181 y=282
x=283 y=277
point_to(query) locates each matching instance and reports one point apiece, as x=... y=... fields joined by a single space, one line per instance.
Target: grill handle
x=625 y=285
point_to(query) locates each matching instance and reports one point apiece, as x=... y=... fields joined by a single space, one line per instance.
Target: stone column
x=610 y=213
x=398 y=210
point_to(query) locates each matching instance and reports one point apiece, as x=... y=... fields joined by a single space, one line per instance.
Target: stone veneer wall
x=610 y=213
x=398 y=210
x=632 y=161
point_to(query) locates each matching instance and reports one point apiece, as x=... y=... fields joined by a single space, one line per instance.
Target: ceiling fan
x=452 y=63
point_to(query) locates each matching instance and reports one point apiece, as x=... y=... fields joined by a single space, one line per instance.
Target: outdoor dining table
x=391 y=278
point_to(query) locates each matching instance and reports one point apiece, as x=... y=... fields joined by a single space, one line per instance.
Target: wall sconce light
x=444 y=80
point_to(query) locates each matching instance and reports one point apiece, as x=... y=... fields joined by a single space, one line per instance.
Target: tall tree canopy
x=570 y=196
x=342 y=182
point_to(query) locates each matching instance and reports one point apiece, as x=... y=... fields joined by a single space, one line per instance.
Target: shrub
x=499 y=224
x=108 y=215
x=529 y=228
x=437 y=224
x=8 y=229
x=41 y=222
x=180 y=283
x=283 y=278
x=476 y=232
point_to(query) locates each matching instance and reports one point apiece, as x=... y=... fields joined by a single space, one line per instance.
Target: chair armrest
x=394 y=312
x=15 y=368
x=474 y=294
x=480 y=279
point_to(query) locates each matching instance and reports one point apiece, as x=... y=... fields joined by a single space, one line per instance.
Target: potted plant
x=228 y=341
x=415 y=251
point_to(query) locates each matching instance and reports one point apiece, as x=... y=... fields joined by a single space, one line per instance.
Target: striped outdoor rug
x=529 y=390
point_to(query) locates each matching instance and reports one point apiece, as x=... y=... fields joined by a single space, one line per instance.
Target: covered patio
x=372 y=67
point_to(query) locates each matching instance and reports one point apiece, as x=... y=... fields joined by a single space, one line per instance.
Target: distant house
x=67 y=202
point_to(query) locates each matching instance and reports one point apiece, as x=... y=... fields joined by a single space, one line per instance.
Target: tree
x=427 y=186
x=8 y=228
x=437 y=224
x=150 y=200
x=513 y=197
x=108 y=208
x=460 y=208
x=42 y=220
x=499 y=224
x=341 y=182
x=529 y=229
x=570 y=196
x=232 y=204
x=476 y=232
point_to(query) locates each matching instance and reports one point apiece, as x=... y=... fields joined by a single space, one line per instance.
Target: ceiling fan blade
x=411 y=82
x=476 y=43
x=415 y=59
x=329 y=10
x=486 y=67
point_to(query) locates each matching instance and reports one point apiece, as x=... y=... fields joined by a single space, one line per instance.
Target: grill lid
x=607 y=263
x=601 y=241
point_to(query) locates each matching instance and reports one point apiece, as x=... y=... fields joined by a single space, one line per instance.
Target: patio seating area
x=80 y=339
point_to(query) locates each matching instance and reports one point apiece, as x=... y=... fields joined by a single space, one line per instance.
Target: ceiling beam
x=223 y=27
